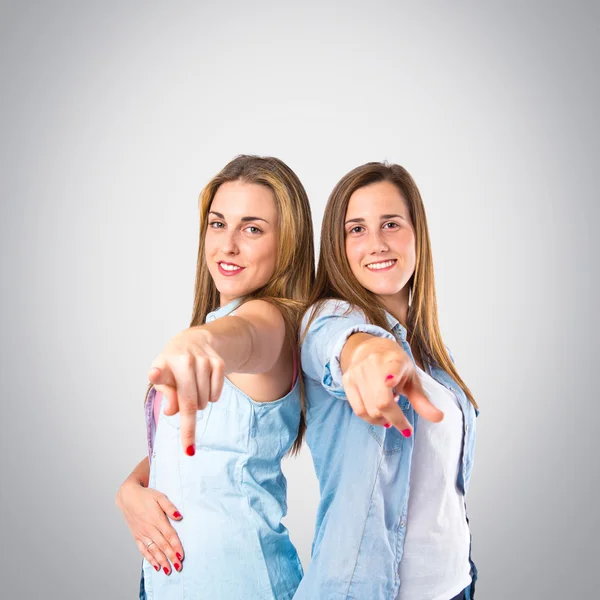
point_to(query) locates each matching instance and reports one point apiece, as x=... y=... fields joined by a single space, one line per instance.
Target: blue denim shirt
x=232 y=494
x=363 y=469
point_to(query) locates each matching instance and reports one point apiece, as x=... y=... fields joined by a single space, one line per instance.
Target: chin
x=235 y=291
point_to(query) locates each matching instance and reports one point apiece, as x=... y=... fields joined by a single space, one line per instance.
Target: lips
x=382 y=265
x=229 y=269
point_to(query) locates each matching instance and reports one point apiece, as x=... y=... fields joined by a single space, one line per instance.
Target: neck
x=225 y=300
x=397 y=305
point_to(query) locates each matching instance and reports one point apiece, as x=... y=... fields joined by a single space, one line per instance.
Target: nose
x=230 y=243
x=377 y=242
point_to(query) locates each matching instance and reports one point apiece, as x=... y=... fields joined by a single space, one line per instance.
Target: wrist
x=371 y=346
x=193 y=339
x=131 y=483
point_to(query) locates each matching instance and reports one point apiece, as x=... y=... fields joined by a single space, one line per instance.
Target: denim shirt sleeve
x=322 y=346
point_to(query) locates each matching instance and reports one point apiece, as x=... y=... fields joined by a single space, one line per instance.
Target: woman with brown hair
x=225 y=402
x=390 y=422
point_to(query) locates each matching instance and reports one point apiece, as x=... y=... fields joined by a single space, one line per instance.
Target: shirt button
x=402 y=523
x=466 y=427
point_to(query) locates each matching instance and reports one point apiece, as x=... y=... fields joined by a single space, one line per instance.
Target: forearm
x=139 y=477
x=232 y=339
x=250 y=342
x=141 y=473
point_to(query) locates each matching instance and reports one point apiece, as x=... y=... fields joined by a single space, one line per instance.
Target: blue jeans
x=142 y=588
x=467 y=594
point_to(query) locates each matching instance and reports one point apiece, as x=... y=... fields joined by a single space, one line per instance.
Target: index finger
x=410 y=386
x=187 y=396
x=396 y=417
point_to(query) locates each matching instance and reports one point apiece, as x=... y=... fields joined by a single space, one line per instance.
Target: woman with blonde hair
x=226 y=403
x=390 y=422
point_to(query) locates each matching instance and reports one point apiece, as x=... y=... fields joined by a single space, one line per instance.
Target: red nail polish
x=389 y=377
x=166 y=570
x=179 y=556
x=177 y=566
x=177 y=515
x=156 y=567
x=406 y=433
x=190 y=450
x=387 y=425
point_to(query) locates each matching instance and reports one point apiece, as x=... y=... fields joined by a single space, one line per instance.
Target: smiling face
x=380 y=243
x=241 y=240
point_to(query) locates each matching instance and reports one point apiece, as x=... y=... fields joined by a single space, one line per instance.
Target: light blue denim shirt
x=232 y=495
x=363 y=470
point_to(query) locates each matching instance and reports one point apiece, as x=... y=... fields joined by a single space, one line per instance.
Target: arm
x=146 y=511
x=190 y=370
x=249 y=342
x=140 y=474
x=354 y=360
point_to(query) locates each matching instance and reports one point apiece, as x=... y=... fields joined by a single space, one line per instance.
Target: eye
x=253 y=229
x=356 y=229
x=393 y=224
x=216 y=224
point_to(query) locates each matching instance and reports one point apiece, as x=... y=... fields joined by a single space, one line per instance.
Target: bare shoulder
x=261 y=310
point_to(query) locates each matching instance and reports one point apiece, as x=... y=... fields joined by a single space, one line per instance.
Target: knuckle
x=380 y=406
x=360 y=412
x=202 y=361
x=187 y=408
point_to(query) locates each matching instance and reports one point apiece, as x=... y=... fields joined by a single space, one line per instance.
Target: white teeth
x=229 y=267
x=381 y=265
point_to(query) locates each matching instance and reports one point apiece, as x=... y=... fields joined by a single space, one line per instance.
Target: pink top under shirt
x=158 y=396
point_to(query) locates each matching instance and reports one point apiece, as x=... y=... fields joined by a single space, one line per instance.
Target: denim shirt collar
x=399 y=330
x=396 y=326
x=224 y=310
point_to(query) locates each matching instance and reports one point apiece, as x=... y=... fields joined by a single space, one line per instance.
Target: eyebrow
x=243 y=219
x=382 y=218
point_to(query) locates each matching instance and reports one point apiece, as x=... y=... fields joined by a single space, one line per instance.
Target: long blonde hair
x=336 y=280
x=294 y=275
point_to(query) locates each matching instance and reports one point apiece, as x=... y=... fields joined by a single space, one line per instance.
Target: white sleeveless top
x=435 y=564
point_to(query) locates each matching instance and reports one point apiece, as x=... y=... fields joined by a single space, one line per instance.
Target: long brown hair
x=336 y=280
x=294 y=275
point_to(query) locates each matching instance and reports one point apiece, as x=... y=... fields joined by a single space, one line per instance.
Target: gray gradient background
x=114 y=115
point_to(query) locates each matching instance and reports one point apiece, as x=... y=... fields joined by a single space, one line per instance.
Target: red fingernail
x=190 y=450
x=177 y=566
x=156 y=567
x=166 y=570
x=177 y=515
x=406 y=432
x=387 y=425
x=389 y=377
x=179 y=556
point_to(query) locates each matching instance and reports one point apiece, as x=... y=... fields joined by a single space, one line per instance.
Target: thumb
x=162 y=374
x=171 y=399
x=168 y=507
